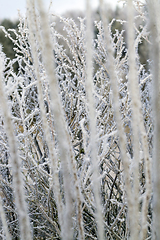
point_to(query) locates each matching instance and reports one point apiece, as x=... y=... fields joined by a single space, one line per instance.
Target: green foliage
x=7 y=44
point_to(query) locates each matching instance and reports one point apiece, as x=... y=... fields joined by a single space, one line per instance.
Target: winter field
x=80 y=128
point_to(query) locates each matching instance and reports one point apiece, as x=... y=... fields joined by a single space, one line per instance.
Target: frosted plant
x=82 y=122
x=15 y=163
x=153 y=7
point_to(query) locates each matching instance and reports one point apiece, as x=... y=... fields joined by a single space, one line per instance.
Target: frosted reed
x=50 y=142
x=135 y=104
x=59 y=121
x=92 y=121
x=78 y=197
x=4 y=223
x=90 y=130
x=117 y=114
x=153 y=8
x=15 y=163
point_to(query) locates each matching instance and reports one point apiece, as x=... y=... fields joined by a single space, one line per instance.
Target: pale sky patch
x=9 y=8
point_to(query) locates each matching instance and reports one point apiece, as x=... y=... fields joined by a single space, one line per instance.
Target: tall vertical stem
x=59 y=121
x=117 y=114
x=135 y=104
x=92 y=122
x=153 y=8
x=15 y=163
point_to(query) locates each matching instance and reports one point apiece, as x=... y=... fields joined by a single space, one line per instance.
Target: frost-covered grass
x=76 y=128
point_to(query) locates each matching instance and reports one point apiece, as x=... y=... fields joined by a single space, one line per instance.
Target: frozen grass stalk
x=50 y=142
x=135 y=104
x=59 y=121
x=46 y=129
x=92 y=122
x=15 y=162
x=147 y=164
x=4 y=223
x=56 y=186
x=117 y=114
x=79 y=217
x=153 y=7
x=86 y=137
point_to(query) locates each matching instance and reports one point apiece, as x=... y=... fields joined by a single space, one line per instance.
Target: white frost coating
x=26 y=89
x=153 y=7
x=56 y=186
x=59 y=121
x=138 y=132
x=135 y=105
x=4 y=223
x=92 y=121
x=116 y=105
x=17 y=178
x=50 y=143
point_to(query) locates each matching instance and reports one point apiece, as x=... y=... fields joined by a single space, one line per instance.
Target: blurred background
x=10 y=10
